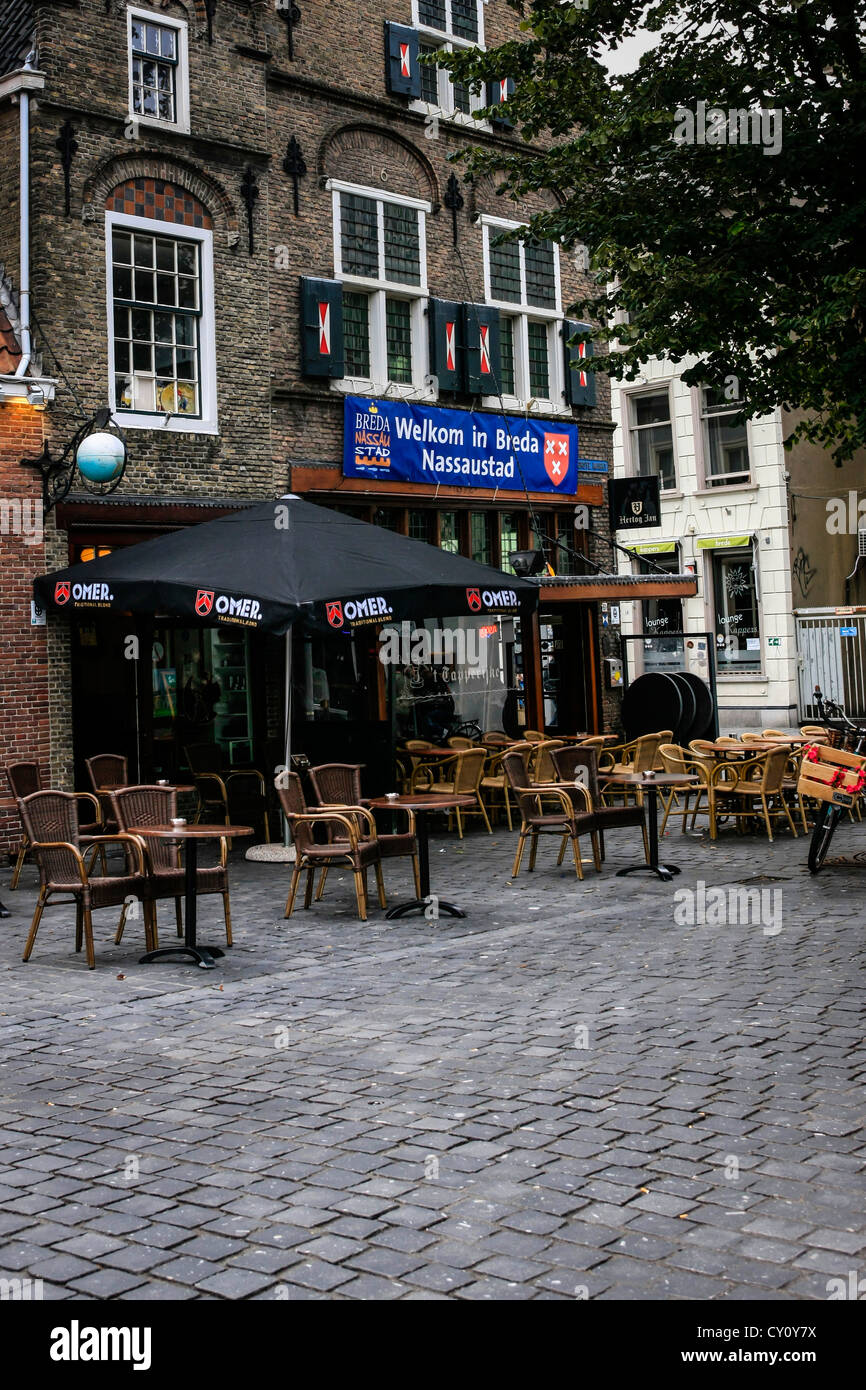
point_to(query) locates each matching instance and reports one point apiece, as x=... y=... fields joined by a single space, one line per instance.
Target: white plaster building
x=724 y=513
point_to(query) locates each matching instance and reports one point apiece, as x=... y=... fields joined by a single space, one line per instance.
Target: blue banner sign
x=422 y=444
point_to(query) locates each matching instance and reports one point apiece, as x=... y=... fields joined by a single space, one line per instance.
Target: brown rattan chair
x=462 y=777
x=579 y=762
x=106 y=772
x=154 y=805
x=540 y=766
x=683 y=762
x=228 y=794
x=344 y=845
x=338 y=786
x=561 y=818
x=51 y=823
x=24 y=779
x=494 y=738
x=533 y=735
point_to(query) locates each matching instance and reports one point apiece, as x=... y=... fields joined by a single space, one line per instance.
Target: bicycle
x=831 y=714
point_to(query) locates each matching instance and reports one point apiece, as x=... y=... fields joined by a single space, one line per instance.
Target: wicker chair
x=568 y=762
x=51 y=824
x=563 y=820
x=166 y=878
x=494 y=783
x=683 y=762
x=239 y=794
x=338 y=786
x=345 y=846
x=24 y=779
x=541 y=768
x=638 y=755
x=418 y=769
x=466 y=773
x=106 y=772
x=458 y=741
x=494 y=738
x=533 y=735
x=734 y=789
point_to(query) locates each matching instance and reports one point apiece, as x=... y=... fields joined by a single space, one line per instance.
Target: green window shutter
x=579 y=383
x=322 y=327
x=483 y=356
x=445 y=322
x=402 y=71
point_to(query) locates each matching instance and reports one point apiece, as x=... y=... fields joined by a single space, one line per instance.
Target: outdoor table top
x=427 y=801
x=190 y=832
x=754 y=745
x=580 y=738
x=433 y=752
x=656 y=779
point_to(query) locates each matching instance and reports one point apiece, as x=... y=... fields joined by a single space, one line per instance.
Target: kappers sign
x=423 y=444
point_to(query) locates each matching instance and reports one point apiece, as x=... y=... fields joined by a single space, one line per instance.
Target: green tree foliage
x=749 y=257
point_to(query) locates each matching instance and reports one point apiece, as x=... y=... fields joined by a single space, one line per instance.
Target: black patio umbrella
x=278 y=563
x=283 y=562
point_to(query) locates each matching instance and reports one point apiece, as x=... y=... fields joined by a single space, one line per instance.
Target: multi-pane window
x=652 y=440
x=157 y=69
x=523 y=280
x=481 y=537
x=507 y=538
x=420 y=525
x=156 y=288
x=379 y=250
x=726 y=444
x=440 y=92
x=449 y=534
x=460 y=19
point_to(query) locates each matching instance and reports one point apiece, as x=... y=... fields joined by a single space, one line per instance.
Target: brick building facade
x=172 y=275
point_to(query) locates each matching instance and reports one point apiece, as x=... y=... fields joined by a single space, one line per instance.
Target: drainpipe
x=24 y=225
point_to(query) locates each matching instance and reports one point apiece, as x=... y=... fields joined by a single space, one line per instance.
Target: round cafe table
x=422 y=805
x=189 y=836
x=650 y=785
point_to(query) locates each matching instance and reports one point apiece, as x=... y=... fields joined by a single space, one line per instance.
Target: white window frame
x=181 y=96
x=717 y=482
x=658 y=388
x=522 y=313
x=445 y=107
x=448 y=31
x=420 y=387
x=206 y=422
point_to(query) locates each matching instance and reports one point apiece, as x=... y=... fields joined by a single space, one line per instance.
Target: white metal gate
x=832 y=654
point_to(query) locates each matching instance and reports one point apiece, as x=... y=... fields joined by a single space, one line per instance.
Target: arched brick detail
x=154 y=168
x=165 y=202
x=345 y=148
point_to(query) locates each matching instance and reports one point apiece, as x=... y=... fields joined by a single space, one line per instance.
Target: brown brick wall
x=24 y=731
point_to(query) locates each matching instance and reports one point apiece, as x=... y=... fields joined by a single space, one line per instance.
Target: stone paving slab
x=572 y=1093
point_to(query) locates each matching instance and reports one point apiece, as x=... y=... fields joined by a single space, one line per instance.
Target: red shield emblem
x=556 y=457
x=204 y=602
x=473 y=598
x=62 y=591
x=335 y=613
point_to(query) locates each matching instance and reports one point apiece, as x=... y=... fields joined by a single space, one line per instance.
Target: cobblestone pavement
x=569 y=1094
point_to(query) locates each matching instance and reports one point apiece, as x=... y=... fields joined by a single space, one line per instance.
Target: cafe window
x=738 y=639
x=652 y=441
x=449 y=532
x=508 y=538
x=481 y=537
x=420 y=525
x=725 y=439
x=661 y=616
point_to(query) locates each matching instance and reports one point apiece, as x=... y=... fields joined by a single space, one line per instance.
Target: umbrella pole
x=281 y=853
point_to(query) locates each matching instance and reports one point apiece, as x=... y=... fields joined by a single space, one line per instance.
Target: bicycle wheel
x=821 y=837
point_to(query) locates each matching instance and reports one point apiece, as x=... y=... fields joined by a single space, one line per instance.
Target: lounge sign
x=634 y=502
x=422 y=444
